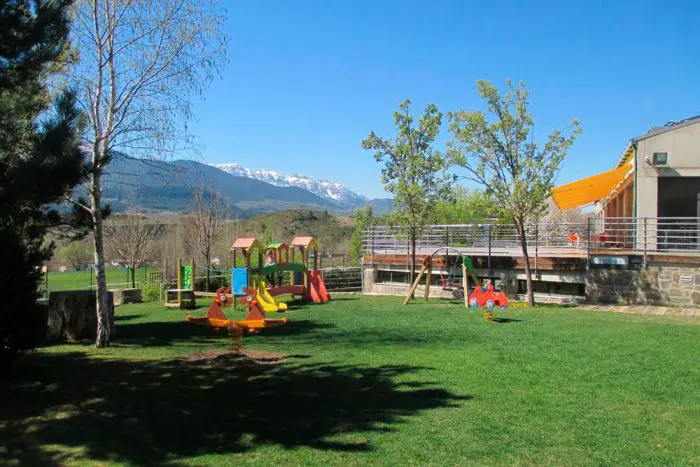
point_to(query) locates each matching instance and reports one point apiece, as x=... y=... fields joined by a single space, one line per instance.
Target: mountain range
x=163 y=186
x=331 y=191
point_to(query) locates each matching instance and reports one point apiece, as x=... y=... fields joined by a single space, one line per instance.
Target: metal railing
x=636 y=235
x=342 y=279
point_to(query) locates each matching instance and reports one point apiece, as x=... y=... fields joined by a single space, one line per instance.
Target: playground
x=255 y=284
x=365 y=380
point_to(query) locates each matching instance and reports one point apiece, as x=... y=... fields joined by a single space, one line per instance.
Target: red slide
x=317 y=289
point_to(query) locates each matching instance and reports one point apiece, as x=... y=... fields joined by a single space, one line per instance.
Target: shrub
x=151 y=291
x=214 y=281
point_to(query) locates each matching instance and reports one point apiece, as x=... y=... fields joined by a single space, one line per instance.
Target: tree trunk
x=412 y=266
x=528 y=271
x=104 y=307
x=206 y=279
x=133 y=278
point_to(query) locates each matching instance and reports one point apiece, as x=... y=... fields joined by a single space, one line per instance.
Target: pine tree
x=40 y=160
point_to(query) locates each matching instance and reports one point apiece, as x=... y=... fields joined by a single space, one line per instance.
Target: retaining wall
x=656 y=284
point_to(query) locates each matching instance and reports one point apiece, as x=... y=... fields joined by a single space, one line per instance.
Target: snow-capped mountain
x=332 y=191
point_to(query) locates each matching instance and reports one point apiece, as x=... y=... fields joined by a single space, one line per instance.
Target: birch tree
x=140 y=63
x=499 y=152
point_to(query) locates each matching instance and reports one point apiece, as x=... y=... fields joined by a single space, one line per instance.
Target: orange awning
x=589 y=190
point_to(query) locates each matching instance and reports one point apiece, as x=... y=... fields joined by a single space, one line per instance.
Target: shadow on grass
x=144 y=412
x=123 y=318
x=164 y=333
x=506 y=320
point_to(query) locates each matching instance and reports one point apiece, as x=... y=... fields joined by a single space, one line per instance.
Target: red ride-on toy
x=489 y=298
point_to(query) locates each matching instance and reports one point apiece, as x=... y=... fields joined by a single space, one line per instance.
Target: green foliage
x=150 y=292
x=498 y=151
x=266 y=235
x=40 y=159
x=414 y=172
x=217 y=279
x=364 y=218
x=333 y=232
x=77 y=254
x=466 y=207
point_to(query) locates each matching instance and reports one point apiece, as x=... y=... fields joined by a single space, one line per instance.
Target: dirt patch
x=259 y=357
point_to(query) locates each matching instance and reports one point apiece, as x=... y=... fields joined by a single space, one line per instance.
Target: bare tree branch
x=132 y=238
x=206 y=218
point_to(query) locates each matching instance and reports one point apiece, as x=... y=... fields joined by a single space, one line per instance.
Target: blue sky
x=307 y=80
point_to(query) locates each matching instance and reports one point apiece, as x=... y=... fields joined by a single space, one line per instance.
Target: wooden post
x=193 y=277
x=305 y=259
x=165 y=278
x=465 y=284
x=428 y=273
x=179 y=280
x=414 y=286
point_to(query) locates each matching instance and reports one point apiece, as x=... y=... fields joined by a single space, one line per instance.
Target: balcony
x=670 y=236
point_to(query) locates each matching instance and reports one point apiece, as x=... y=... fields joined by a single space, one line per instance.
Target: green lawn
x=74 y=280
x=367 y=381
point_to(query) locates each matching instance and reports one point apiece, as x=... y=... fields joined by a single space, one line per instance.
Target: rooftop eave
x=627 y=155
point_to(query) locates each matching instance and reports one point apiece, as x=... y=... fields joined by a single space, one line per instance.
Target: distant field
x=73 y=280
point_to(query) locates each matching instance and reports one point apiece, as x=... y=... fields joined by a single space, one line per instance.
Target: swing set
x=452 y=281
x=487 y=297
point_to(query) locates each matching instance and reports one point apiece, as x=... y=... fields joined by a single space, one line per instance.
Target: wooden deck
x=548 y=259
x=542 y=252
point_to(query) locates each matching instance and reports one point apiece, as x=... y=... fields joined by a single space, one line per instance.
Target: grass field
x=366 y=381
x=74 y=280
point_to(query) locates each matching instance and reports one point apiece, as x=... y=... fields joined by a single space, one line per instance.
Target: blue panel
x=239 y=280
x=299 y=278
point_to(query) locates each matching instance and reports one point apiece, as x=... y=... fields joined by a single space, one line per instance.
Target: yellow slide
x=267 y=301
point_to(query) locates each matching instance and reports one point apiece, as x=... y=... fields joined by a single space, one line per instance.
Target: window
x=660 y=158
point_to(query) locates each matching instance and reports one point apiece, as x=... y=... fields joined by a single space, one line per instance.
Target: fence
x=642 y=235
x=343 y=279
x=152 y=280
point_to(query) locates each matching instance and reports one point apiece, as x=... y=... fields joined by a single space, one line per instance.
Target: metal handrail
x=641 y=235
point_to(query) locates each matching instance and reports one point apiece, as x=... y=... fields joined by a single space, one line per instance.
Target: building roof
x=304 y=241
x=277 y=246
x=246 y=243
x=670 y=126
x=627 y=155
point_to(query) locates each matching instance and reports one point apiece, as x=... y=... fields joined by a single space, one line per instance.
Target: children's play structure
x=257 y=281
x=302 y=281
x=183 y=295
x=486 y=297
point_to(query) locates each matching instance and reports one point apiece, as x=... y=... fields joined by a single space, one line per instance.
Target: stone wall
x=124 y=296
x=72 y=315
x=657 y=284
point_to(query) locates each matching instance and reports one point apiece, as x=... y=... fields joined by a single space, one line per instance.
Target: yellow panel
x=588 y=190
